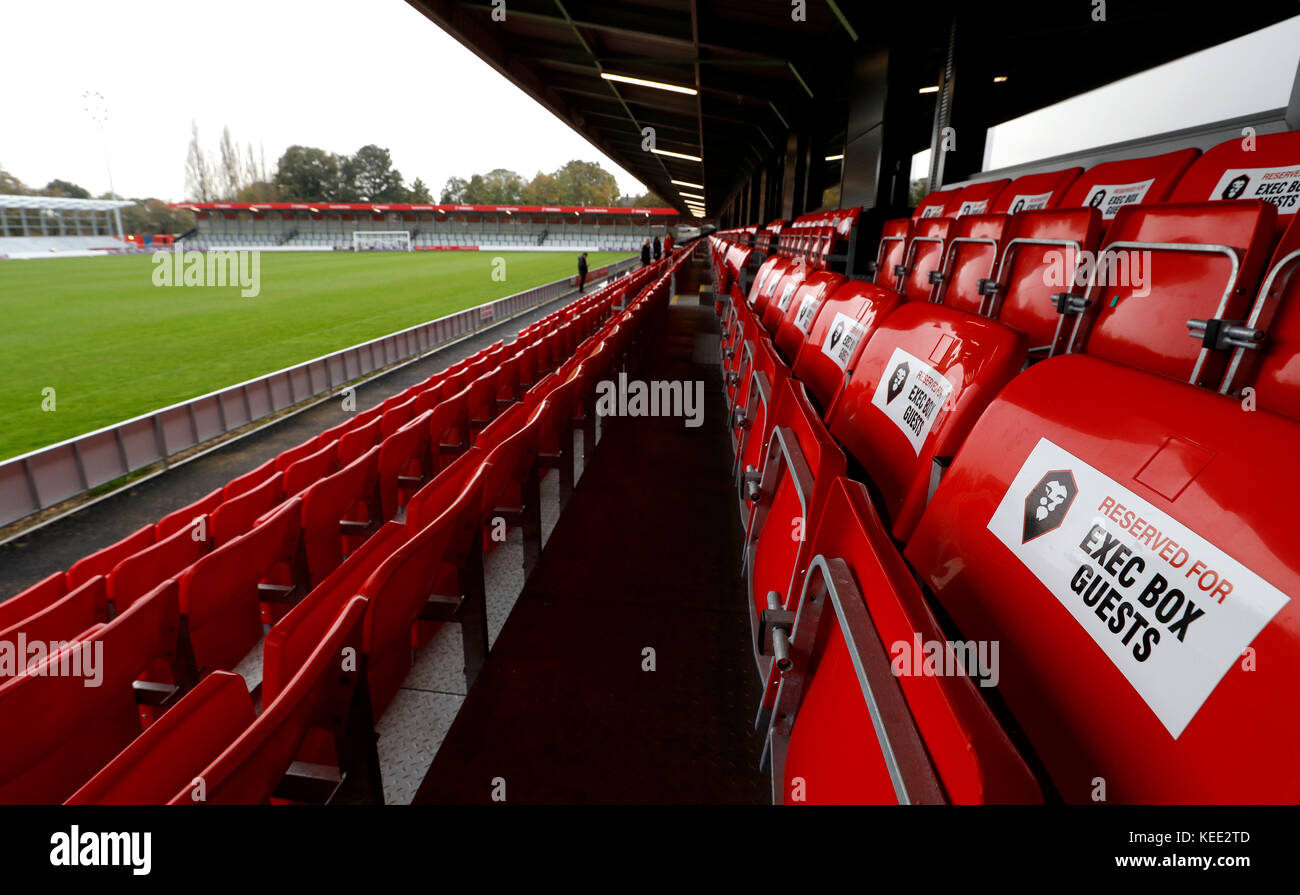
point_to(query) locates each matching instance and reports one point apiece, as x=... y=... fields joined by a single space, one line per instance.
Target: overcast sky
x=338 y=74
x=323 y=73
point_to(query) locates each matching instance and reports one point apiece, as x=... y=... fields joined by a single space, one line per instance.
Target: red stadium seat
x=141 y=572
x=321 y=700
x=163 y=762
x=799 y=466
x=783 y=296
x=1272 y=370
x=1110 y=186
x=1032 y=192
x=921 y=382
x=58 y=731
x=1122 y=651
x=1043 y=256
x=358 y=440
x=239 y=514
x=751 y=422
x=845 y=321
x=250 y=479
x=1264 y=167
x=101 y=562
x=33 y=599
x=793 y=330
x=853 y=723
x=65 y=618
x=312 y=468
x=178 y=519
x=405 y=463
x=339 y=512
x=404 y=589
x=219 y=594
x=1213 y=255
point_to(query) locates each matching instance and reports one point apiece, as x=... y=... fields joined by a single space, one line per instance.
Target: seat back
x=922 y=381
x=1199 y=261
x=401 y=586
x=358 y=440
x=239 y=514
x=405 y=453
x=311 y=469
x=769 y=274
x=347 y=494
x=178 y=519
x=1033 y=192
x=923 y=256
x=846 y=319
x=141 y=572
x=970 y=256
x=1043 y=254
x=1273 y=372
x=793 y=329
x=101 y=562
x=783 y=296
x=32 y=600
x=250 y=479
x=975 y=198
x=1110 y=186
x=1264 y=167
x=219 y=593
x=1124 y=654
x=65 y=618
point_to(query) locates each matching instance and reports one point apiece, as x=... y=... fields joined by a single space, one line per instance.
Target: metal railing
x=48 y=476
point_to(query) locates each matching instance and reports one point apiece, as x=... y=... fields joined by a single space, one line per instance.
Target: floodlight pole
x=96 y=108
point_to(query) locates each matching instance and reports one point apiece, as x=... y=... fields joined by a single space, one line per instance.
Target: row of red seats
x=187 y=604
x=938 y=483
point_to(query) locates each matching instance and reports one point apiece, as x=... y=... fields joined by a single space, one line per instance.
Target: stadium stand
x=892 y=428
x=356 y=540
x=298 y=226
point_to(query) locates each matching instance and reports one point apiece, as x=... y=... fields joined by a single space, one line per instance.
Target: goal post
x=381 y=240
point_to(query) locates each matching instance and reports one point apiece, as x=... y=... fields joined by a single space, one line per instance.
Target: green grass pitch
x=113 y=345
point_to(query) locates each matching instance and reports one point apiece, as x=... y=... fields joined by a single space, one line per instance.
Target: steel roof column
x=793 y=198
x=876 y=169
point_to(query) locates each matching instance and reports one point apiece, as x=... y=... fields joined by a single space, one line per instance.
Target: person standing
x=582 y=272
x=659 y=249
x=645 y=253
x=668 y=243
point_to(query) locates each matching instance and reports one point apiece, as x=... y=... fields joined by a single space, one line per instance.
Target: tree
x=587 y=183
x=497 y=187
x=199 y=185
x=66 y=189
x=543 y=189
x=154 y=216
x=308 y=174
x=645 y=200
x=453 y=191
x=419 y=193
x=258 y=191
x=10 y=185
x=374 y=177
x=917 y=190
x=230 y=175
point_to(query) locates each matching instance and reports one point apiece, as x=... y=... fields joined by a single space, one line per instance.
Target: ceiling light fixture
x=642 y=82
x=689 y=158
